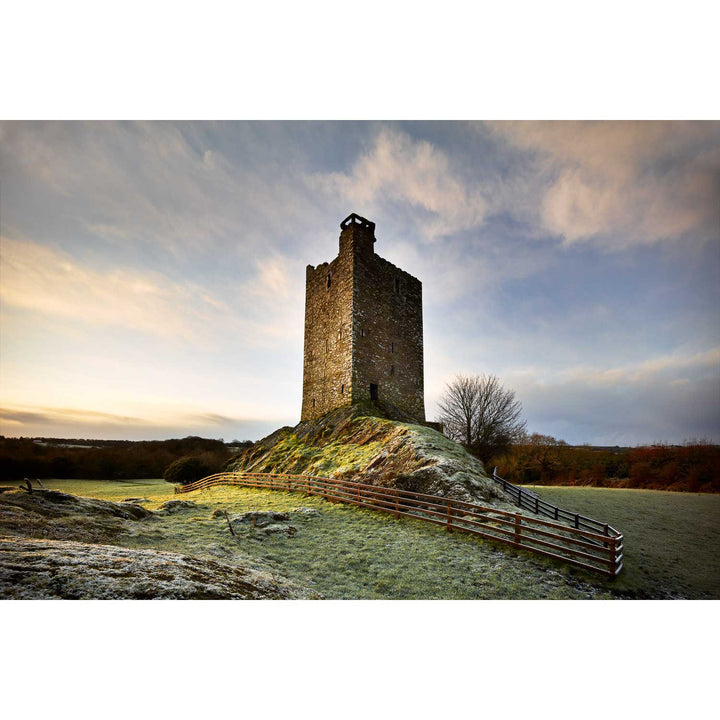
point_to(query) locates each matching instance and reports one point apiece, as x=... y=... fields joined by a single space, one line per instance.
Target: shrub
x=187 y=470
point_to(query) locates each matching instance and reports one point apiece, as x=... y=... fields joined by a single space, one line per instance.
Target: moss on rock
x=348 y=443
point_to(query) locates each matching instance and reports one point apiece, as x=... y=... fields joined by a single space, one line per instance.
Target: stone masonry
x=363 y=330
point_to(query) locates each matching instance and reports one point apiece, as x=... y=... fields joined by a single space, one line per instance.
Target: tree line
x=544 y=460
x=485 y=418
x=107 y=459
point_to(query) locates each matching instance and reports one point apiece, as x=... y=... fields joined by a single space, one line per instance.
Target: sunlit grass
x=155 y=490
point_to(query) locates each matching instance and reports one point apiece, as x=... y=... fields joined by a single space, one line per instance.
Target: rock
x=52 y=569
x=52 y=503
x=175 y=506
x=278 y=528
x=59 y=516
x=306 y=512
x=259 y=518
x=136 y=500
x=217 y=513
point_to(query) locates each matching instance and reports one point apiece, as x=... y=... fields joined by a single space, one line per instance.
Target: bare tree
x=481 y=414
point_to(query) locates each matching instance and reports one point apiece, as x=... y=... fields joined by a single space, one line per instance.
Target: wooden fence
x=528 y=500
x=594 y=551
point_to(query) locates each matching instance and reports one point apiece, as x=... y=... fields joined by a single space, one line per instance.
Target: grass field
x=671 y=541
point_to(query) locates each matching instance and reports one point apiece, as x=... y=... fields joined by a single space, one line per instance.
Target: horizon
x=687 y=443
x=153 y=272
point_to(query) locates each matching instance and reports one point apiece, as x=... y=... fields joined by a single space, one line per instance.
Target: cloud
x=42 y=280
x=646 y=371
x=177 y=188
x=41 y=415
x=669 y=398
x=397 y=169
x=623 y=183
x=37 y=421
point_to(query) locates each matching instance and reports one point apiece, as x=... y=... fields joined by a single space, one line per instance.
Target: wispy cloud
x=44 y=281
x=39 y=279
x=623 y=183
x=671 y=396
x=162 y=186
x=398 y=169
x=668 y=367
x=34 y=421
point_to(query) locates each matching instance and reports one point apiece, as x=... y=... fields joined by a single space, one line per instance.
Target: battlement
x=354 y=219
x=363 y=330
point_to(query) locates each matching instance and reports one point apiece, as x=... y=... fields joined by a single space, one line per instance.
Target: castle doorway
x=373 y=392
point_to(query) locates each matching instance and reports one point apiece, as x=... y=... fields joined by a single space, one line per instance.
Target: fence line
x=528 y=500
x=595 y=551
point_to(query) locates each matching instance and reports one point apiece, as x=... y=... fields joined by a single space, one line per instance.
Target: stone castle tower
x=363 y=330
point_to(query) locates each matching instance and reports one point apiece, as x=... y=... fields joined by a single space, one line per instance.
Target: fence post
x=397 y=503
x=517 y=528
x=449 y=518
x=613 y=562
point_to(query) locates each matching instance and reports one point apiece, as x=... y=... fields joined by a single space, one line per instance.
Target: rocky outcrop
x=348 y=443
x=52 y=569
x=59 y=516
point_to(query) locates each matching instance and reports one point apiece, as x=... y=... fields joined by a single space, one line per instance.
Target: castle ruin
x=363 y=331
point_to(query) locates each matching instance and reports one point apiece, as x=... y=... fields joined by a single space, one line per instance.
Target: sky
x=152 y=273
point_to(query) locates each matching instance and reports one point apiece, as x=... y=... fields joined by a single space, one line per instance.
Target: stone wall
x=327 y=372
x=363 y=327
x=388 y=335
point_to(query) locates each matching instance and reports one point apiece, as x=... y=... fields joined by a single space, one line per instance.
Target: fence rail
x=528 y=500
x=589 y=549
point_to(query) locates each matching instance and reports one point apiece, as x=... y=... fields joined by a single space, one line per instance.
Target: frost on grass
x=52 y=569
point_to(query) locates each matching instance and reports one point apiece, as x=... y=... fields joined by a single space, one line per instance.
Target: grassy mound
x=349 y=443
